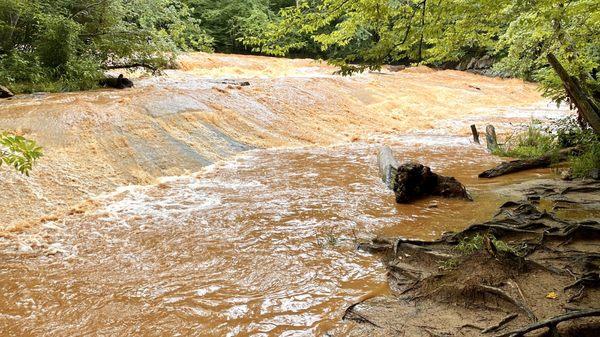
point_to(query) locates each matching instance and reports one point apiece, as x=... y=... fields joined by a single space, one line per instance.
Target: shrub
x=534 y=142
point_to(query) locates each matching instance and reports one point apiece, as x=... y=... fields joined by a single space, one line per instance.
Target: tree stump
x=412 y=181
x=475 y=134
x=490 y=137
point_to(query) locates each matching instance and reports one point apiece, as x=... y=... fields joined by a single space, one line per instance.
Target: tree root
x=500 y=324
x=551 y=323
x=504 y=295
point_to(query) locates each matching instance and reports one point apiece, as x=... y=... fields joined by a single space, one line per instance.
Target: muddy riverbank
x=524 y=270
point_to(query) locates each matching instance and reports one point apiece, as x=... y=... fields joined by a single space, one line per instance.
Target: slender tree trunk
x=584 y=103
x=422 y=30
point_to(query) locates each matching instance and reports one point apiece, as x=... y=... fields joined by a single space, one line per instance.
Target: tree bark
x=585 y=104
x=475 y=133
x=490 y=137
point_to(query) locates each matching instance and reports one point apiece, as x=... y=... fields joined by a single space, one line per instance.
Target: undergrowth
x=470 y=245
x=539 y=140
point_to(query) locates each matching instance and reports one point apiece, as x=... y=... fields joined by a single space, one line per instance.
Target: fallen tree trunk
x=585 y=104
x=527 y=164
x=412 y=181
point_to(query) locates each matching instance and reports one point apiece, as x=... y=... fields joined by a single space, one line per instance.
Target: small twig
x=516 y=285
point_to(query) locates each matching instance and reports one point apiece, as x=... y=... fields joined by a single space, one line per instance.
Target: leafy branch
x=19 y=152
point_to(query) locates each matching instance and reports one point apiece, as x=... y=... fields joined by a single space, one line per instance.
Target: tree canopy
x=517 y=34
x=70 y=42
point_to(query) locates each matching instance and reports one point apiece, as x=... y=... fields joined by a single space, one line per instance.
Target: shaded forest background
x=67 y=45
x=62 y=45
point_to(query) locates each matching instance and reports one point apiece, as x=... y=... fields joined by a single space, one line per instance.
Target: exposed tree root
x=526 y=260
x=500 y=324
x=502 y=294
x=551 y=323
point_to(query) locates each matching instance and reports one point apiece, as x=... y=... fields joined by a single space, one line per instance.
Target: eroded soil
x=542 y=267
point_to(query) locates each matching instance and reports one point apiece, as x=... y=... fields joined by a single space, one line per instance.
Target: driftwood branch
x=132 y=65
x=527 y=164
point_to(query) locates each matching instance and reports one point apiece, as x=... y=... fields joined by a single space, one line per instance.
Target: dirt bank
x=503 y=277
x=187 y=119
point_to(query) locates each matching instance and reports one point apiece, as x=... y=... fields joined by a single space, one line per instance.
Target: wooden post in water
x=490 y=137
x=475 y=134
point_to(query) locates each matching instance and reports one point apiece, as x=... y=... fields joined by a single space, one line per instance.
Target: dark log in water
x=5 y=93
x=527 y=164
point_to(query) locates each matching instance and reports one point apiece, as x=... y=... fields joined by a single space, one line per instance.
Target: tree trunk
x=585 y=104
x=475 y=133
x=490 y=137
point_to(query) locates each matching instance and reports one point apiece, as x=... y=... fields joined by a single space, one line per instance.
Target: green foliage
x=18 y=152
x=364 y=34
x=231 y=23
x=66 y=44
x=534 y=142
x=583 y=165
x=539 y=140
x=470 y=245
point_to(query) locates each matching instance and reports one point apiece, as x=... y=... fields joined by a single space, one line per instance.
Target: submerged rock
x=5 y=93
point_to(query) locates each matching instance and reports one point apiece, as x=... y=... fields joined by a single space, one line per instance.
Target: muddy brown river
x=261 y=245
x=256 y=232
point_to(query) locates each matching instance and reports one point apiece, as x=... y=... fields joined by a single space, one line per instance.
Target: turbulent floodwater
x=261 y=245
x=261 y=241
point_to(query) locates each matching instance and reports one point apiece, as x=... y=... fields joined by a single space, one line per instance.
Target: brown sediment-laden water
x=261 y=239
